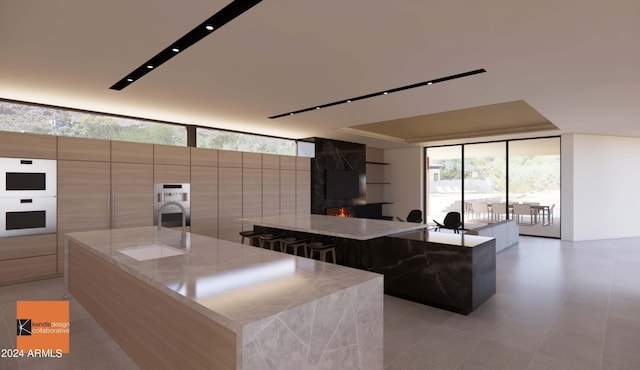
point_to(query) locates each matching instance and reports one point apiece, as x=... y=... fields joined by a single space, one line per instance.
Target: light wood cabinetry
x=204 y=200
x=251 y=186
x=132 y=195
x=229 y=159
x=127 y=152
x=287 y=191
x=84 y=190
x=109 y=184
x=204 y=157
x=303 y=191
x=287 y=184
x=230 y=202
x=172 y=155
x=27 y=257
x=19 y=145
x=27 y=269
x=27 y=246
x=81 y=149
x=270 y=185
x=167 y=174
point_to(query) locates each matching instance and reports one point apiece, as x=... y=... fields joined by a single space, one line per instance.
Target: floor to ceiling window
x=491 y=182
x=534 y=185
x=444 y=184
x=485 y=183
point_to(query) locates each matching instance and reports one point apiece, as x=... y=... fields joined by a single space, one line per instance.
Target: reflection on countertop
x=229 y=282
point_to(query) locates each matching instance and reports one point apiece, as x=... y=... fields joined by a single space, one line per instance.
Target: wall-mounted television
x=342 y=184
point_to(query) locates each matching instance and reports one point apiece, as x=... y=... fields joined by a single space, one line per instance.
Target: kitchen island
x=456 y=272
x=217 y=304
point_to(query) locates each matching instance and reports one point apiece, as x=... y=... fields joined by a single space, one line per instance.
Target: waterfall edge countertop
x=350 y=228
x=231 y=283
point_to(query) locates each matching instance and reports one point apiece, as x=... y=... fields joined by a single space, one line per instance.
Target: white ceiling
x=573 y=61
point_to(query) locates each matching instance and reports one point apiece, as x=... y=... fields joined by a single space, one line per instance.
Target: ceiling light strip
x=224 y=16
x=383 y=92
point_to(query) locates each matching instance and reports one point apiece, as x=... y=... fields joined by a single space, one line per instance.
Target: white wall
x=600 y=186
x=406 y=175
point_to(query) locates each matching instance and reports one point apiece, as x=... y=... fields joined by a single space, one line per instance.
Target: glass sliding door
x=495 y=181
x=444 y=182
x=485 y=183
x=534 y=185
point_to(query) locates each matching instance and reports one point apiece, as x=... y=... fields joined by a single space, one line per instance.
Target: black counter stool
x=322 y=250
x=295 y=244
x=270 y=240
x=249 y=234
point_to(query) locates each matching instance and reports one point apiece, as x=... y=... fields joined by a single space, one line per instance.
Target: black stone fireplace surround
x=334 y=155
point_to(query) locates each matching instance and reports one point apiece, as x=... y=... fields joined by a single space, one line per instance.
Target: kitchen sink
x=151 y=251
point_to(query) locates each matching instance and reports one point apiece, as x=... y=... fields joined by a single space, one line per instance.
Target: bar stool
x=295 y=244
x=249 y=234
x=270 y=240
x=322 y=250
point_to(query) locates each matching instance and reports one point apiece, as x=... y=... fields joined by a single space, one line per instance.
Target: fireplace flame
x=344 y=213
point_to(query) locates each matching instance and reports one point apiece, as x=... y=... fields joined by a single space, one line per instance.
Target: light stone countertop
x=231 y=283
x=350 y=228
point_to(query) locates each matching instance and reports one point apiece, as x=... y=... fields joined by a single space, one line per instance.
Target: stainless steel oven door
x=27 y=216
x=25 y=178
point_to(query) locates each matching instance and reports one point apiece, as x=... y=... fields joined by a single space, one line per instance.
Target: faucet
x=183 y=239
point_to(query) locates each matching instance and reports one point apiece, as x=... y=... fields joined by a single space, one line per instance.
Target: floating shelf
x=378 y=183
x=381 y=163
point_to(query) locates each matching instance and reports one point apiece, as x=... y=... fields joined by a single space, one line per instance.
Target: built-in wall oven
x=28 y=203
x=27 y=216
x=171 y=213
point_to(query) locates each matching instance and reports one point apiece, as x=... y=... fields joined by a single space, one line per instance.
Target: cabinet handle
x=113 y=209
x=109 y=208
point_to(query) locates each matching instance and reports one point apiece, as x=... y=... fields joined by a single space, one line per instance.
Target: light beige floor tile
x=524 y=334
x=622 y=339
x=543 y=362
x=443 y=348
x=491 y=355
x=574 y=347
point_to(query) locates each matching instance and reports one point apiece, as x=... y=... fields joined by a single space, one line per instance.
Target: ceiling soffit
x=497 y=119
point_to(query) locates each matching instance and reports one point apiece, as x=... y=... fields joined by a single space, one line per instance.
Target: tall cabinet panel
x=303 y=185
x=84 y=187
x=204 y=192
x=287 y=185
x=171 y=164
x=83 y=199
x=132 y=195
x=131 y=184
x=270 y=185
x=229 y=194
x=251 y=186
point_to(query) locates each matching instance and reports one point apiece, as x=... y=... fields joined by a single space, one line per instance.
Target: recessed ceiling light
x=385 y=92
x=130 y=79
x=225 y=15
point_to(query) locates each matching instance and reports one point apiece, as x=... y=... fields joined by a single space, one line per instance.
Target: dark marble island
x=455 y=272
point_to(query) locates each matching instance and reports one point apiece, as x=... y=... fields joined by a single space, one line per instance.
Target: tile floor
x=559 y=305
